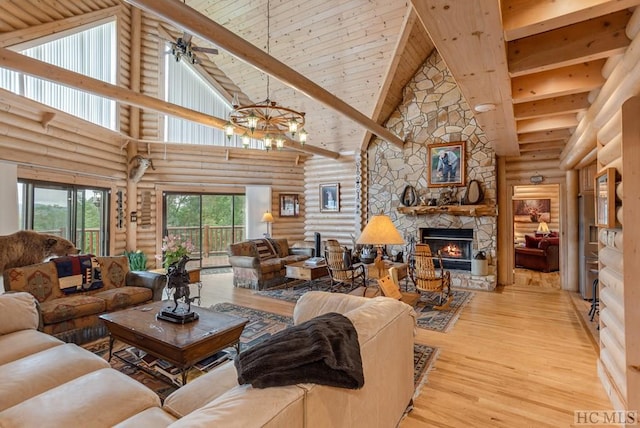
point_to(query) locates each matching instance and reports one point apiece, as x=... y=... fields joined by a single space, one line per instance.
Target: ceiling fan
x=183 y=49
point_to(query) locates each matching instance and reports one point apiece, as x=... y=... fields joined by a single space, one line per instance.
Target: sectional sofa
x=47 y=383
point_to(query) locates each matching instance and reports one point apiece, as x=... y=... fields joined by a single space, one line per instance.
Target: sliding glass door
x=210 y=221
x=76 y=213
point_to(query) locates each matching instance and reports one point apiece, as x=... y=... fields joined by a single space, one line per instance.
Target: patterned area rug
x=428 y=318
x=423 y=356
x=261 y=326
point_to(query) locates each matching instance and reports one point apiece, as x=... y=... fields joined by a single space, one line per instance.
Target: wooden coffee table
x=300 y=270
x=181 y=344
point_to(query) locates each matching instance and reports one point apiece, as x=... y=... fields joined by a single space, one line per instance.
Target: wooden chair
x=426 y=278
x=341 y=270
x=390 y=287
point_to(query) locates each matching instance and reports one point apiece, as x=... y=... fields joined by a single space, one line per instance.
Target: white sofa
x=40 y=390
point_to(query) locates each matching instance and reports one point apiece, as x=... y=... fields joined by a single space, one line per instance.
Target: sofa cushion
x=281 y=246
x=40 y=280
x=51 y=367
x=21 y=343
x=245 y=406
x=123 y=297
x=270 y=265
x=153 y=417
x=545 y=242
x=78 y=403
x=202 y=390
x=265 y=249
x=78 y=273
x=113 y=270
x=531 y=241
x=69 y=307
x=18 y=311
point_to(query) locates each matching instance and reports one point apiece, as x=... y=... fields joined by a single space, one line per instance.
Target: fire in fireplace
x=454 y=244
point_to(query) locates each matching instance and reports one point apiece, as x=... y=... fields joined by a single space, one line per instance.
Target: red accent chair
x=539 y=253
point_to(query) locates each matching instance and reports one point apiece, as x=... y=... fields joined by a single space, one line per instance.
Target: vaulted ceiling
x=541 y=63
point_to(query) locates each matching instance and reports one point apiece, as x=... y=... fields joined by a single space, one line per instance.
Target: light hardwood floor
x=518 y=357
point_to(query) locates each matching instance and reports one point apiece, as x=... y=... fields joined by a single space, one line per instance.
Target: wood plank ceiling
x=541 y=62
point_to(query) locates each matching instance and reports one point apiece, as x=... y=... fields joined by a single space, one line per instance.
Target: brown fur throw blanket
x=323 y=350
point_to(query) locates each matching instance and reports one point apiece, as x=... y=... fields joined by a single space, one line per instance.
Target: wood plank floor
x=517 y=357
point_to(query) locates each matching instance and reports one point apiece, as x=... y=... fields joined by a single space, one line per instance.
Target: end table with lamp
x=380 y=231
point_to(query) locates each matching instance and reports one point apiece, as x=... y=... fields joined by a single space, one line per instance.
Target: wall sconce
x=134 y=216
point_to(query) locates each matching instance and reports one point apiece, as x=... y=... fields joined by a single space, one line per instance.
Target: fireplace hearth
x=456 y=246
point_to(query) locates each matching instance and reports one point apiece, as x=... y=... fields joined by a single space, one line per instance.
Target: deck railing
x=215 y=239
x=91 y=239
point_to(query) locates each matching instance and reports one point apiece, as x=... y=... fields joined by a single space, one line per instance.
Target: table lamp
x=267 y=217
x=380 y=231
x=543 y=228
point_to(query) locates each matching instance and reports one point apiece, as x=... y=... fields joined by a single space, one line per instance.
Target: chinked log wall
x=617 y=147
x=341 y=225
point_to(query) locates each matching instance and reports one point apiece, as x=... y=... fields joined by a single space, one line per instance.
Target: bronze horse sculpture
x=178 y=279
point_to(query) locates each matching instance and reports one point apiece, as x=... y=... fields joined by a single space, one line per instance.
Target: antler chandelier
x=273 y=120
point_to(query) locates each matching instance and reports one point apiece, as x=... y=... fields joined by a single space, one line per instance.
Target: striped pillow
x=265 y=249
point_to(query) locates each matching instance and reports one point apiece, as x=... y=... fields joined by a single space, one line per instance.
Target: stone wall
x=433 y=111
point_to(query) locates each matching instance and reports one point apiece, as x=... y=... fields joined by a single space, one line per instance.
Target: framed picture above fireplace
x=446 y=164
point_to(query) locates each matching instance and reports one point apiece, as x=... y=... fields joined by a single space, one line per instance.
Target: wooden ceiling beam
x=469 y=37
x=549 y=145
x=534 y=137
x=551 y=106
x=585 y=41
x=17 y=62
x=550 y=123
x=523 y=18
x=561 y=81
x=183 y=16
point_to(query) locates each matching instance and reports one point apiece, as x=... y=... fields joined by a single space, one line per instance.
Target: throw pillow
x=531 y=241
x=265 y=249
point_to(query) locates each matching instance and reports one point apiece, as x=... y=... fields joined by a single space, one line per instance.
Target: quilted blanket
x=323 y=350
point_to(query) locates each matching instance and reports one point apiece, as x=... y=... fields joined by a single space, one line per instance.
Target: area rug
x=428 y=317
x=261 y=326
x=423 y=356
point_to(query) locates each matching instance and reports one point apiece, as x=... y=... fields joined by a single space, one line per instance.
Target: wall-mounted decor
x=289 y=205
x=605 y=192
x=446 y=164
x=531 y=210
x=330 y=197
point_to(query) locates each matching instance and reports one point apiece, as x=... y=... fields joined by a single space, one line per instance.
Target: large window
x=76 y=213
x=210 y=221
x=91 y=52
x=186 y=88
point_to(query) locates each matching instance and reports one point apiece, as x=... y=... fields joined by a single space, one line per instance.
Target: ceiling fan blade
x=213 y=51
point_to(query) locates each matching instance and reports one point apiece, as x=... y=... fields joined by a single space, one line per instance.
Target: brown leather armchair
x=542 y=254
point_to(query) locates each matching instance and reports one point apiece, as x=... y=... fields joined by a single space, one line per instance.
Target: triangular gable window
x=186 y=88
x=91 y=52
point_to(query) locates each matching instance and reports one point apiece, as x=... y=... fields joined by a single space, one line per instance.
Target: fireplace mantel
x=466 y=210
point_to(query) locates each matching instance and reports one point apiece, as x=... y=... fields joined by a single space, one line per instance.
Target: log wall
x=344 y=225
x=618 y=147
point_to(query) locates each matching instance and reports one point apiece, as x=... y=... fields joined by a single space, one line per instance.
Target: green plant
x=137 y=260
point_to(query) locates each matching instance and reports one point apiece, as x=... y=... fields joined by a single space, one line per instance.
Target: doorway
x=536 y=218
